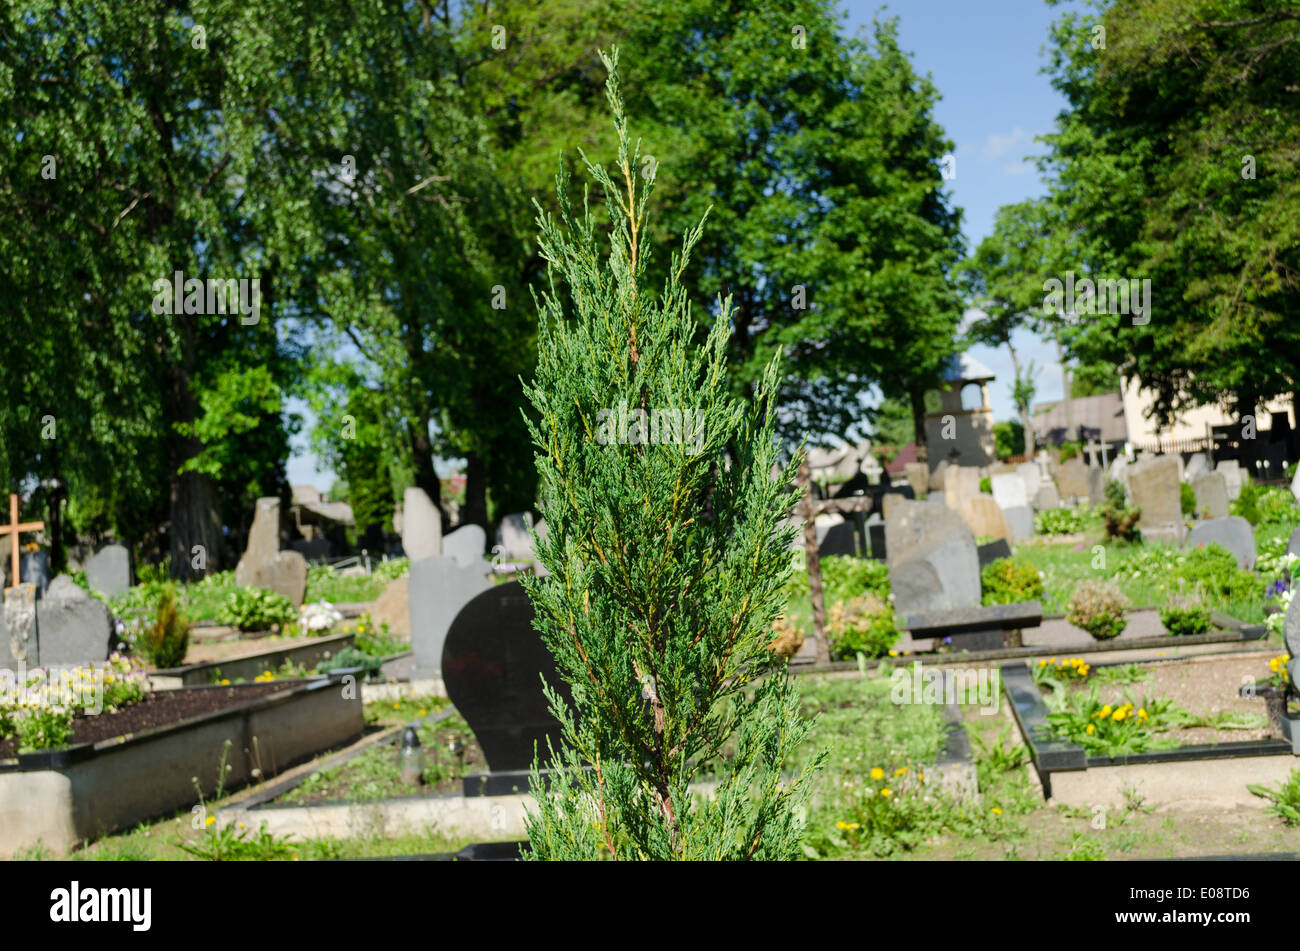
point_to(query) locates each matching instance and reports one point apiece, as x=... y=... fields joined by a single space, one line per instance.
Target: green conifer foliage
x=666 y=558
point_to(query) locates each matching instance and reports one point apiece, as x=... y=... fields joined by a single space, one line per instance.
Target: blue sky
x=984 y=56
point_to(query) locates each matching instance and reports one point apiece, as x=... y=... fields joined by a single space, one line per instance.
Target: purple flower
x=1275 y=589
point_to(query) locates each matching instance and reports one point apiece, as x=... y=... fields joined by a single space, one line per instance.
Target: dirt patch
x=156 y=709
x=1203 y=686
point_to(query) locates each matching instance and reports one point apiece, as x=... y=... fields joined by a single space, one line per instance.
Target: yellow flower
x=209 y=820
x=877 y=773
x=1106 y=710
x=900 y=771
x=893 y=653
x=1092 y=728
x=1043 y=662
x=1142 y=713
x=920 y=777
x=1119 y=714
x=886 y=792
x=997 y=811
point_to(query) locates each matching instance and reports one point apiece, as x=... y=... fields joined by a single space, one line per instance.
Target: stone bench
x=977 y=628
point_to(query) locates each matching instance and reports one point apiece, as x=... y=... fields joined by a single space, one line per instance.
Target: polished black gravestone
x=492 y=663
x=992 y=551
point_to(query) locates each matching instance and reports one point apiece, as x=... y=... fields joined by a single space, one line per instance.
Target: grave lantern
x=410 y=758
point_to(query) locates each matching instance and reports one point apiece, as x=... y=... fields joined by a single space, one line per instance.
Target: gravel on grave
x=1201 y=686
x=157 y=709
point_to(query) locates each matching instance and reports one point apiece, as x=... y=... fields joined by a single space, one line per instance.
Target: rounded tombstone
x=493 y=662
x=1291 y=632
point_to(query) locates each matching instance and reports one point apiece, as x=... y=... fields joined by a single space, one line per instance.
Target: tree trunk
x=426 y=477
x=194 y=521
x=1070 y=431
x=916 y=399
x=474 y=511
x=1023 y=408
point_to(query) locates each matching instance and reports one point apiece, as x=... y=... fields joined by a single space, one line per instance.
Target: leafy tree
x=1094 y=379
x=1176 y=163
x=1009 y=438
x=666 y=558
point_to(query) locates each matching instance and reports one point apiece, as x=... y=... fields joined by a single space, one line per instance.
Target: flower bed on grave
x=121 y=767
x=1179 y=726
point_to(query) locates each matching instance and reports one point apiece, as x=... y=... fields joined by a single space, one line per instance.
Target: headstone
x=960 y=483
x=876 y=536
x=1196 y=467
x=109 y=570
x=1096 y=485
x=1009 y=489
x=72 y=628
x=1293 y=547
x=1046 y=497
x=1072 y=478
x=34 y=566
x=393 y=607
x=1021 y=520
x=1233 y=533
x=263 y=564
x=421 y=525
x=514 y=543
x=1032 y=477
x=467 y=544
x=992 y=551
x=1295 y=484
x=823 y=524
x=1154 y=486
x=493 y=664
x=1291 y=635
x=316 y=549
x=1211 y=490
x=918 y=477
x=933 y=564
x=18 y=644
x=1119 y=470
x=937 y=476
x=840 y=539
x=985 y=517
x=437 y=589
x=1235 y=475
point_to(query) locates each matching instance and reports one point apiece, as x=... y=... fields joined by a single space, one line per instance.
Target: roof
x=965 y=367
x=1101 y=416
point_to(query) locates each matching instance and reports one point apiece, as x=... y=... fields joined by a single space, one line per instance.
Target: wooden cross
x=808 y=509
x=12 y=530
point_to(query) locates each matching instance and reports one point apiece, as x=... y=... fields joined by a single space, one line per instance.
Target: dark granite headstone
x=491 y=664
x=35 y=568
x=876 y=534
x=992 y=551
x=841 y=539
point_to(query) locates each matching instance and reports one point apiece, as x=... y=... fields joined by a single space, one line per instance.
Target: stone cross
x=12 y=530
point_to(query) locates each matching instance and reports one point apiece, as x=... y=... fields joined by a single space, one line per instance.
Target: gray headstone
x=1046 y=497
x=1021 y=520
x=1009 y=490
x=876 y=536
x=1234 y=474
x=933 y=563
x=263 y=564
x=937 y=476
x=1096 y=485
x=1293 y=548
x=1031 y=477
x=1233 y=533
x=438 y=588
x=1211 y=490
x=72 y=628
x=1291 y=632
x=514 y=543
x=109 y=570
x=1196 y=467
x=421 y=525
x=466 y=544
x=1295 y=484
x=1073 y=478
x=1154 y=485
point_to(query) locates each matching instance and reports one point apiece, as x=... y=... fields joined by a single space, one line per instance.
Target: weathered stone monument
x=393 y=608
x=264 y=565
x=918 y=477
x=1154 y=486
x=933 y=562
x=467 y=544
x=986 y=518
x=72 y=628
x=437 y=589
x=1211 y=490
x=421 y=525
x=108 y=571
x=1233 y=533
x=1072 y=478
x=1235 y=475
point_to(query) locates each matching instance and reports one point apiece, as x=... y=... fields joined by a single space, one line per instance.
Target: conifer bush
x=667 y=563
